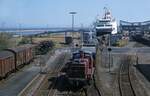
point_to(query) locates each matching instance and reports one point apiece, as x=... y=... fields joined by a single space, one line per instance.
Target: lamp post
x=72 y=14
x=109 y=50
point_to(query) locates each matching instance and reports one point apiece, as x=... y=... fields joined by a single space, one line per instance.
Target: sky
x=55 y=13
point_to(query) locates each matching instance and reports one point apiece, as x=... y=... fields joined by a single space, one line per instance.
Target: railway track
x=51 y=87
x=95 y=86
x=91 y=90
x=47 y=87
x=81 y=92
x=54 y=83
x=124 y=80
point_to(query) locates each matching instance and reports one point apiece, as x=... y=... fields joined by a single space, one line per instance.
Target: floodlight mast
x=72 y=14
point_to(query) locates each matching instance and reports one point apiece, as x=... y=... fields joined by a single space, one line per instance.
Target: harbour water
x=27 y=32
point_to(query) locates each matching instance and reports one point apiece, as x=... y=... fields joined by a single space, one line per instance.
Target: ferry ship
x=105 y=25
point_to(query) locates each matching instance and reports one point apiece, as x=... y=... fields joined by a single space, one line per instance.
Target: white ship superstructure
x=106 y=25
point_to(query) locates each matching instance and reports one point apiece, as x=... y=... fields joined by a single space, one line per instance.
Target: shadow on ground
x=62 y=83
x=145 y=70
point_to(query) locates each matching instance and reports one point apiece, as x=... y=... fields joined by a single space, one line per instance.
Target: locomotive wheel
x=89 y=82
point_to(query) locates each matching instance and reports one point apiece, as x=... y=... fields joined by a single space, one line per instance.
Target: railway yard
x=72 y=70
x=78 y=64
x=126 y=74
x=73 y=48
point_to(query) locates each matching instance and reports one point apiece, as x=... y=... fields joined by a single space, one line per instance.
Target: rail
x=44 y=84
x=56 y=71
x=81 y=92
x=64 y=59
x=124 y=80
x=95 y=86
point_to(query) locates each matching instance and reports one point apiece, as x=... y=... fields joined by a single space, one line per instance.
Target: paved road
x=15 y=83
x=128 y=50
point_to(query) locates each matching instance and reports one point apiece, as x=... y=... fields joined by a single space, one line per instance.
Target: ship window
x=100 y=25
x=103 y=22
x=108 y=25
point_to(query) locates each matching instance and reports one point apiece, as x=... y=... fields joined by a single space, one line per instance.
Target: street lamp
x=72 y=14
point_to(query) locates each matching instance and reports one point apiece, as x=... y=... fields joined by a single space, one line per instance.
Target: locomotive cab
x=81 y=66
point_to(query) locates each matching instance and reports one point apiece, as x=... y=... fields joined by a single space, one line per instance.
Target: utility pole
x=20 y=31
x=81 y=34
x=3 y=26
x=109 y=40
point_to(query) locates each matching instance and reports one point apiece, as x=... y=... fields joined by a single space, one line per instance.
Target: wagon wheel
x=83 y=92
x=68 y=93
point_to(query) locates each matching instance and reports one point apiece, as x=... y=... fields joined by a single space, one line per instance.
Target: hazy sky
x=54 y=13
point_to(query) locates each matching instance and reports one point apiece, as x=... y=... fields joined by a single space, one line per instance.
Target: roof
x=85 y=51
x=5 y=54
x=89 y=49
x=21 y=48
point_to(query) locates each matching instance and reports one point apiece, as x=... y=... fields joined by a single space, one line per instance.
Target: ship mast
x=107 y=13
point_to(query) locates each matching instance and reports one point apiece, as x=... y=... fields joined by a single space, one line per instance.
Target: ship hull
x=100 y=32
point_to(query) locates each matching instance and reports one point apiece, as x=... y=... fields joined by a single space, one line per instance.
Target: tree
x=5 y=40
x=25 y=40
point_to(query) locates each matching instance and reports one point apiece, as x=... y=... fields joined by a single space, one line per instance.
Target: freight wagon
x=7 y=63
x=23 y=54
x=12 y=59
